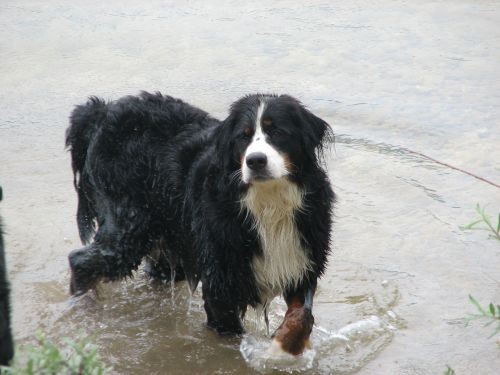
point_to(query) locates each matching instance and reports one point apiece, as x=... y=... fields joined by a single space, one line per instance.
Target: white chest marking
x=272 y=205
x=276 y=165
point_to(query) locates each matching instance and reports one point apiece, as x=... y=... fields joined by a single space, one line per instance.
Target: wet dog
x=6 y=345
x=242 y=205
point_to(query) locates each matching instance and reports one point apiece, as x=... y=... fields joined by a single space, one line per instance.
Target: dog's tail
x=84 y=121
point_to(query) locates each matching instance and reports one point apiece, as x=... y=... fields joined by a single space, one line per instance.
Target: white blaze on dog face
x=275 y=163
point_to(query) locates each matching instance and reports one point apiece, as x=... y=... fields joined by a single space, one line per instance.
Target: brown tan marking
x=292 y=336
x=290 y=167
x=267 y=122
x=248 y=131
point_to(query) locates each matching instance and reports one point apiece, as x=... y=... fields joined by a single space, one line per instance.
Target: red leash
x=452 y=167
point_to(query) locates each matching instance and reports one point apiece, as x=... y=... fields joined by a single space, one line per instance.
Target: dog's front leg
x=292 y=336
x=223 y=316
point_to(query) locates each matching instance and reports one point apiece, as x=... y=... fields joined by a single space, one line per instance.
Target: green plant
x=45 y=358
x=491 y=314
x=449 y=371
x=495 y=233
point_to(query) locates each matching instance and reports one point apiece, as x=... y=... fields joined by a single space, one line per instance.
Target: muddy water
x=388 y=76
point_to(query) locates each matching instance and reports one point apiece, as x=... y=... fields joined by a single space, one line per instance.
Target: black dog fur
x=157 y=178
x=6 y=344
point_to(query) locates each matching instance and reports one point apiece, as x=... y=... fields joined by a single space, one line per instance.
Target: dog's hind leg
x=113 y=255
x=163 y=265
x=88 y=267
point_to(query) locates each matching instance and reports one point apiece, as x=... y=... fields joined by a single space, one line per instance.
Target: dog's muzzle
x=256 y=161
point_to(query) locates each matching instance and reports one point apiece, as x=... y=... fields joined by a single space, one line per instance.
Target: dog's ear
x=224 y=145
x=321 y=132
x=318 y=134
x=227 y=153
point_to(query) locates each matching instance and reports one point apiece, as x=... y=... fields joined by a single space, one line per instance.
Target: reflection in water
x=138 y=320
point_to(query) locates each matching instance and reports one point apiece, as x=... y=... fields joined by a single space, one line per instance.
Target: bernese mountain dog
x=242 y=205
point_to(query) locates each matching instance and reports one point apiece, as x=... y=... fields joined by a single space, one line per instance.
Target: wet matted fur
x=242 y=205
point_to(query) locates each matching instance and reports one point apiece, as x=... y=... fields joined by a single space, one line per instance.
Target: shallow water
x=389 y=76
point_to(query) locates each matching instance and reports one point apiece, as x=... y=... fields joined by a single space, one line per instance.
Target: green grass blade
x=470 y=226
x=492 y=309
x=478 y=306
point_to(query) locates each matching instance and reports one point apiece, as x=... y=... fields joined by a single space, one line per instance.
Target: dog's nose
x=256 y=160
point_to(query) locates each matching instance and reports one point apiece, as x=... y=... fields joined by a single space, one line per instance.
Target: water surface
x=389 y=76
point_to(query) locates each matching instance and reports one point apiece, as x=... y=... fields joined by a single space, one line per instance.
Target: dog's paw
x=226 y=330
x=85 y=271
x=292 y=336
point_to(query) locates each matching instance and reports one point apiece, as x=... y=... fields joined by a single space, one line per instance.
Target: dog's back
x=128 y=133
x=122 y=163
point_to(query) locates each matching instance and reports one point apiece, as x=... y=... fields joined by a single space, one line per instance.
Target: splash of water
x=257 y=353
x=342 y=351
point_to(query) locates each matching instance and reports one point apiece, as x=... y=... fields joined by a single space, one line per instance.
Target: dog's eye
x=247 y=133
x=275 y=133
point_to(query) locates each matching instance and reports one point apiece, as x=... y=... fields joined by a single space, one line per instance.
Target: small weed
x=490 y=313
x=484 y=219
x=449 y=371
x=45 y=358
